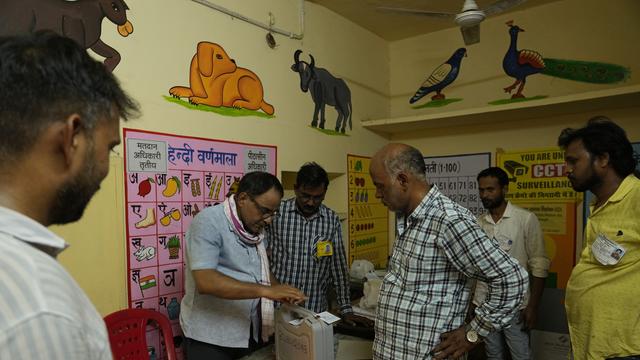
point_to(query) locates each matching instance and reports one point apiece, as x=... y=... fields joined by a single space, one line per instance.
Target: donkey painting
x=77 y=20
x=325 y=90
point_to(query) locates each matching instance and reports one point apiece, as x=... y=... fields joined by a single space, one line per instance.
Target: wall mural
x=325 y=89
x=440 y=78
x=77 y=20
x=519 y=64
x=217 y=84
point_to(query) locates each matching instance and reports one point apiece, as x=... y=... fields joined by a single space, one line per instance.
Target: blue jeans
x=517 y=341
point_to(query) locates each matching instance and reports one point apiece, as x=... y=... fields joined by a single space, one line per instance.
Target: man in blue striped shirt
x=439 y=250
x=59 y=115
x=306 y=247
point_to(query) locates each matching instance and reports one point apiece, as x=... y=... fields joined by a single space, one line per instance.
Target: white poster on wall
x=455 y=176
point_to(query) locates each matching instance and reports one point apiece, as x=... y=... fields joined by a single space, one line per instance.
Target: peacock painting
x=519 y=64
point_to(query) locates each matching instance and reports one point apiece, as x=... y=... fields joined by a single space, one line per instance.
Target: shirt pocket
x=314 y=246
x=619 y=248
x=420 y=265
x=505 y=242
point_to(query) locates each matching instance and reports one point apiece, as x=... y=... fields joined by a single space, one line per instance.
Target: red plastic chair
x=127 y=333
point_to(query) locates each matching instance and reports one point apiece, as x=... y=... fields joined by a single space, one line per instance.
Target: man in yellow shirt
x=603 y=293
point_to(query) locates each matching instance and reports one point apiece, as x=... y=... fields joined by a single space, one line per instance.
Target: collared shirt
x=439 y=250
x=517 y=232
x=603 y=301
x=43 y=312
x=293 y=241
x=212 y=244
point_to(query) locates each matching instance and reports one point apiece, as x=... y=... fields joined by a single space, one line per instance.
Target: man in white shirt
x=59 y=115
x=517 y=232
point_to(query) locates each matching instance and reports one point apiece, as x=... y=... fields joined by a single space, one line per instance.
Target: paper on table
x=327 y=317
x=296 y=322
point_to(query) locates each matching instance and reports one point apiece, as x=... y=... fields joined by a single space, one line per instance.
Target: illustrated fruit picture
x=172 y=187
x=144 y=188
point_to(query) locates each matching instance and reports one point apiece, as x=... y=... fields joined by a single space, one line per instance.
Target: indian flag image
x=147 y=282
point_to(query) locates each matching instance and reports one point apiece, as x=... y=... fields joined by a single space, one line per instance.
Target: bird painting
x=441 y=77
x=519 y=64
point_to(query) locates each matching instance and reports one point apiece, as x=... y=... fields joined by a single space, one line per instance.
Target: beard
x=308 y=210
x=492 y=203
x=73 y=197
x=587 y=184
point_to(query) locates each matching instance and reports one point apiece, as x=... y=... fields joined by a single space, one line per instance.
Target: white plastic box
x=310 y=339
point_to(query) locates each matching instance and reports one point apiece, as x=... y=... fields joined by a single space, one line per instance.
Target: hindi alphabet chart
x=368 y=217
x=168 y=180
x=456 y=177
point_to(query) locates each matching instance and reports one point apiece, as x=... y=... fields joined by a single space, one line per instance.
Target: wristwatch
x=471 y=335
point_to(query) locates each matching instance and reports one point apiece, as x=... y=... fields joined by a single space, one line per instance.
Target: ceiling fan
x=468 y=19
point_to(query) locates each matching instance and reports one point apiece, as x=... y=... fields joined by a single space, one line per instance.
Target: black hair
x=312 y=175
x=258 y=182
x=602 y=136
x=496 y=172
x=44 y=78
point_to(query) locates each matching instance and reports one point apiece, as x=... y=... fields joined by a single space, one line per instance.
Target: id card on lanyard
x=324 y=248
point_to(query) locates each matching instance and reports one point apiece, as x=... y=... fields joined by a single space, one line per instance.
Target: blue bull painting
x=325 y=90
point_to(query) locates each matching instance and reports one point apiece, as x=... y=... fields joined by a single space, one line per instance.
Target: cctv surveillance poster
x=168 y=180
x=537 y=175
x=537 y=182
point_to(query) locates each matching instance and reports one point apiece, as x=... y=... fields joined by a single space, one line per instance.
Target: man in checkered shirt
x=439 y=252
x=305 y=242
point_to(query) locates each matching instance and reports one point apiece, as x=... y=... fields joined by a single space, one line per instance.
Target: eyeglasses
x=266 y=212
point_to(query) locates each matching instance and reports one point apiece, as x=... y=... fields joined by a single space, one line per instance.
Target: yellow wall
x=568 y=29
x=587 y=30
x=512 y=135
x=381 y=76
x=96 y=257
x=157 y=56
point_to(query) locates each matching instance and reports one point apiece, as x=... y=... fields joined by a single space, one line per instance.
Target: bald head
x=398 y=173
x=397 y=158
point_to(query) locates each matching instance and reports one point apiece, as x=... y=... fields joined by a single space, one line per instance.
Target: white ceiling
x=392 y=26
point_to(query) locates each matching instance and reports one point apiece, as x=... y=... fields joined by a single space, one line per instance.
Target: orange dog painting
x=216 y=80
